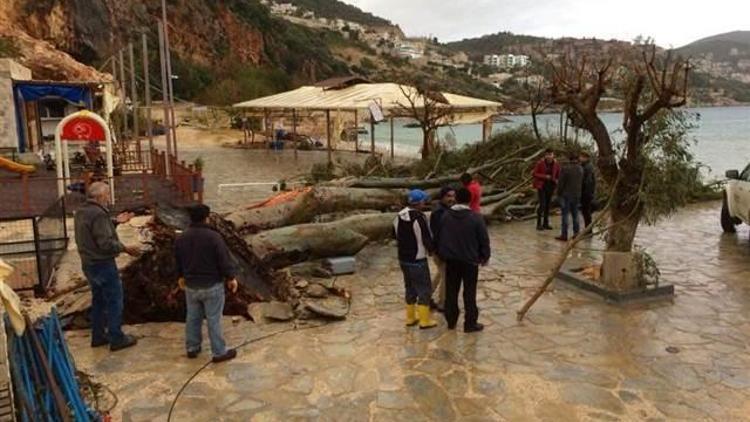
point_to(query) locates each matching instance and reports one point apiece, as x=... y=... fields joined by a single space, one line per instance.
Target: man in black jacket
x=446 y=200
x=414 y=244
x=464 y=244
x=588 y=189
x=203 y=265
x=569 y=195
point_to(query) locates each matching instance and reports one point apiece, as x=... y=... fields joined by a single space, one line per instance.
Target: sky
x=672 y=23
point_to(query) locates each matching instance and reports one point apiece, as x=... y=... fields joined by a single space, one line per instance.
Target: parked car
x=736 y=207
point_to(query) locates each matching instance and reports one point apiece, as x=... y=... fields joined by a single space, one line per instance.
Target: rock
x=331 y=307
x=317 y=291
x=301 y=284
x=255 y=310
x=278 y=311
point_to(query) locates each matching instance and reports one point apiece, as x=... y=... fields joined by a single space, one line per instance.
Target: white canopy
x=389 y=96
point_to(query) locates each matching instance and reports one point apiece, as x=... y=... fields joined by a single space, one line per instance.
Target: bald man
x=98 y=246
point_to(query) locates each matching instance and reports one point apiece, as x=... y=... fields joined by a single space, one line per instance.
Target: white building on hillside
x=506 y=61
x=410 y=50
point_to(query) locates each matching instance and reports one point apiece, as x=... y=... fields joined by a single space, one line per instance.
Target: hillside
x=334 y=9
x=722 y=47
x=494 y=43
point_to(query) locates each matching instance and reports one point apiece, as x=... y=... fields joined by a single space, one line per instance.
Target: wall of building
x=9 y=70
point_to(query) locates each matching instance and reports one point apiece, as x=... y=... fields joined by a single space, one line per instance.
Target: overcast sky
x=669 y=22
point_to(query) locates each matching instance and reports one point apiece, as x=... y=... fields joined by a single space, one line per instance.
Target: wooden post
x=147 y=83
x=294 y=131
x=133 y=92
x=328 y=136
x=122 y=96
x=372 y=135
x=392 y=152
x=356 y=130
x=115 y=84
x=165 y=97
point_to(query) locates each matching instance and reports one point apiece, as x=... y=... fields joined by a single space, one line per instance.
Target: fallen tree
x=290 y=245
x=302 y=206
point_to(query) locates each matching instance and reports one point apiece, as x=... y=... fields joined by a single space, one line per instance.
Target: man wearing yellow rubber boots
x=414 y=244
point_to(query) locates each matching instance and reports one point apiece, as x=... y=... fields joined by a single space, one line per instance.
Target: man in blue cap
x=414 y=245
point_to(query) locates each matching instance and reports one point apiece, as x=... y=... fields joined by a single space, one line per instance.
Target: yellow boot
x=425 y=319
x=411 y=315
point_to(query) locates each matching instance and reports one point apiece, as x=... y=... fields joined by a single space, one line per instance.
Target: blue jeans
x=106 y=301
x=209 y=304
x=417 y=282
x=570 y=207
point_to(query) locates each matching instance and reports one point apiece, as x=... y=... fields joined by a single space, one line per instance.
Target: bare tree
x=650 y=83
x=429 y=108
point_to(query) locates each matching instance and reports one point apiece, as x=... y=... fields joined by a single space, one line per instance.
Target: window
x=745 y=174
x=53 y=109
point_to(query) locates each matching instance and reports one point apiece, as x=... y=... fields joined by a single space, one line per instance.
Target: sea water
x=722 y=135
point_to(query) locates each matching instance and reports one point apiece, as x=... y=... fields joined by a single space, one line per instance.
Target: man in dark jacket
x=546 y=175
x=569 y=195
x=588 y=189
x=98 y=246
x=446 y=201
x=414 y=244
x=464 y=244
x=203 y=265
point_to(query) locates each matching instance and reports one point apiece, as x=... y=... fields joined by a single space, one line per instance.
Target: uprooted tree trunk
x=650 y=85
x=294 y=244
x=302 y=206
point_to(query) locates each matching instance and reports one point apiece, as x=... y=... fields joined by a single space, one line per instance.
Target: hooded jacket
x=413 y=235
x=540 y=173
x=463 y=236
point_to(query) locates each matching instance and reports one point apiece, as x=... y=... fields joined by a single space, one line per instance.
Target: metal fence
x=34 y=246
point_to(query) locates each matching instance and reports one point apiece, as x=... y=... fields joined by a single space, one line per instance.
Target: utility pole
x=121 y=59
x=133 y=92
x=169 y=87
x=115 y=83
x=165 y=98
x=147 y=82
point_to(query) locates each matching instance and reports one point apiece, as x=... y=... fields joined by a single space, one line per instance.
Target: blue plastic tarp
x=23 y=92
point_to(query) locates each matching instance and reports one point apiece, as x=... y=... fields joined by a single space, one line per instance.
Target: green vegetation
x=332 y=9
x=493 y=43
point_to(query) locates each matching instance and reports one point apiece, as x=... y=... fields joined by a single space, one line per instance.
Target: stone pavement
x=574 y=358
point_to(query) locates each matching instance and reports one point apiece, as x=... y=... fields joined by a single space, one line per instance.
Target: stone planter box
x=663 y=291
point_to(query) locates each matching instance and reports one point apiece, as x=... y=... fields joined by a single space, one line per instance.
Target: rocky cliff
x=215 y=44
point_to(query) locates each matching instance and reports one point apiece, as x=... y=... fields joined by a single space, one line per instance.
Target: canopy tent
x=394 y=100
x=390 y=97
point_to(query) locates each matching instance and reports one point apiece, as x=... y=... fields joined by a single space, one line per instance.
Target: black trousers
x=587 y=209
x=457 y=273
x=545 y=199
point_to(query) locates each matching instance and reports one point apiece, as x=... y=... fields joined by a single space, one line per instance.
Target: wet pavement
x=573 y=358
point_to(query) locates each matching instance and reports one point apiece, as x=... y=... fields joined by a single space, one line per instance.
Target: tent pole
x=147 y=83
x=165 y=101
x=133 y=92
x=294 y=132
x=392 y=153
x=372 y=135
x=356 y=130
x=328 y=136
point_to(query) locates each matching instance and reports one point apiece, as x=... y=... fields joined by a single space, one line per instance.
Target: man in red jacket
x=546 y=175
x=472 y=184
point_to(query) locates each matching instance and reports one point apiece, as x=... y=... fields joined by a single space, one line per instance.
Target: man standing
x=446 y=201
x=464 y=245
x=414 y=243
x=472 y=184
x=569 y=195
x=546 y=175
x=588 y=190
x=203 y=265
x=98 y=246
